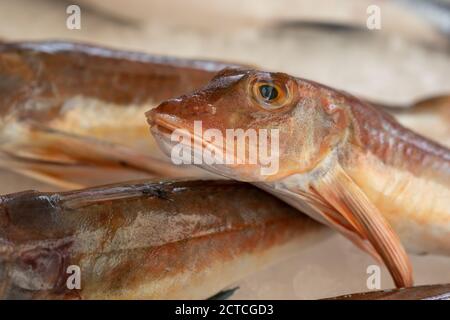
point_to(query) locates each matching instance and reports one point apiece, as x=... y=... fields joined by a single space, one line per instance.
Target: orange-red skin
x=404 y=175
x=368 y=129
x=164 y=237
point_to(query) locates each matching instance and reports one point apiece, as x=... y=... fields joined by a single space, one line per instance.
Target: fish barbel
x=73 y=114
x=144 y=240
x=341 y=160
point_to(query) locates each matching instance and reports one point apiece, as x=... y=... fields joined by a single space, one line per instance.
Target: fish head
x=289 y=123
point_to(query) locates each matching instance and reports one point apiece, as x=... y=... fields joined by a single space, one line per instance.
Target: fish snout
x=166 y=108
x=192 y=107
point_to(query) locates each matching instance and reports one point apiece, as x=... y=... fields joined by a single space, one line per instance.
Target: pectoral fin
x=317 y=207
x=70 y=160
x=68 y=175
x=345 y=196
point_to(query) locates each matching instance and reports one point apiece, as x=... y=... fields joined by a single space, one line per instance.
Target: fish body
x=430 y=292
x=144 y=240
x=341 y=160
x=429 y=117
x=405 y=175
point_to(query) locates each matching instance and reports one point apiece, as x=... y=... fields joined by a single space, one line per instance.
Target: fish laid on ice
x=339 y=159
x=144 y=240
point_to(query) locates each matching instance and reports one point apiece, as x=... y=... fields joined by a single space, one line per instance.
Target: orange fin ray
x=343 y=194
x=318 y=208
x=70 y=160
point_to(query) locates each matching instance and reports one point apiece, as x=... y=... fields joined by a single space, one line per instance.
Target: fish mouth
x=162 y=126
x=161 y=122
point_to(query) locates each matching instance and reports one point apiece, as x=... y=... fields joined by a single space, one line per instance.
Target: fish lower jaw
x=162 y=139
x=197 y=158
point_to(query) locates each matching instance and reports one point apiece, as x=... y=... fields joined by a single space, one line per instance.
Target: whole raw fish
x=143 y=240
x=341 y=160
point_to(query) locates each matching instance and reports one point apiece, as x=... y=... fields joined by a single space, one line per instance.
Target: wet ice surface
x=391 y=69
x=330 y=268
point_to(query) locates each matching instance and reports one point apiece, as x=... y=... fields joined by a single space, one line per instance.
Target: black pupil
x=268 y=92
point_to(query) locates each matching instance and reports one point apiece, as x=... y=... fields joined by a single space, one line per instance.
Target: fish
x=148 y=239
x=428 y=292
x=339 y=159
x=72 y=114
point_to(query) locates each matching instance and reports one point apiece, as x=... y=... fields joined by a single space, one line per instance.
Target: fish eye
x=269 y=94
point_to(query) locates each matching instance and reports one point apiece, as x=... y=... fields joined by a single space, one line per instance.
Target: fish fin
x=318 y=208
x=341 y=192
x=224 y=294
x=38 y=150
x=68 y=175
x=334 y=219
